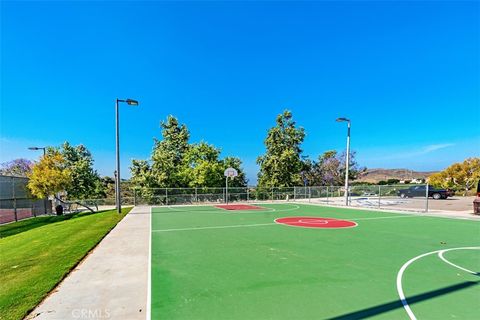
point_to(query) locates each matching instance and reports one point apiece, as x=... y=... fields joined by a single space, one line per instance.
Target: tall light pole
x=347 y=160
x=118 y=200
x=39 y=148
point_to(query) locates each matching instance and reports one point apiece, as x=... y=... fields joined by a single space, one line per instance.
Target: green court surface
x=211 y=263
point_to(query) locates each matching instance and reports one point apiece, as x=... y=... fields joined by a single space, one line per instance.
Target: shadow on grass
x=389 y=306
x=12 y=229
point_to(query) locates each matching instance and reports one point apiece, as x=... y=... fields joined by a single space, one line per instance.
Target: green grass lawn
x=36 y=254
x=208 y=263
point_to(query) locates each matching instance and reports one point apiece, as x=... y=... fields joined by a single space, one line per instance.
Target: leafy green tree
x=142 y=174
x=105 y=188
x=168 y=154
x=309 y=172
x=394 y=181
x=281 y=165
x=177 y=163
x=86 y=181
x=201 y=166
x=236 y=163
x=50 y=175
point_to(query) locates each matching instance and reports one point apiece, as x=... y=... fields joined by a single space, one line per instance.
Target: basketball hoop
x=230 y=172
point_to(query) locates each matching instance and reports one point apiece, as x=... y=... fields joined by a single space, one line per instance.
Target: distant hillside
x=376 y=175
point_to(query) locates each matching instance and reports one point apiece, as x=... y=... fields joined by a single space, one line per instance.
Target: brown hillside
x=376 y=175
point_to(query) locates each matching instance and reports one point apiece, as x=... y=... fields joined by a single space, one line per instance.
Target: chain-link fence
x=16 y=203
x=397 y=197
x=206 y=195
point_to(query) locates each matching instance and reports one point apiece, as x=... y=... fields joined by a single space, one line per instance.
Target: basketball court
x=299 y=261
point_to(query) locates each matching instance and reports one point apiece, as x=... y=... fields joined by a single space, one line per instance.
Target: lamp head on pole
x=131 y=102
x=33 y=148
x=343 y=120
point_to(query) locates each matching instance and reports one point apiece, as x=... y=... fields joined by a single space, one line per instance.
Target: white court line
x=295 y=207
x=429 y=214
x=379 y=218
x=314 y=221
x=400 y=292
x=254 y=225
x=214 y=209
x=267 y=209
x=174 y=210
x=267 y=224
x=440 y=254
x=216 y=227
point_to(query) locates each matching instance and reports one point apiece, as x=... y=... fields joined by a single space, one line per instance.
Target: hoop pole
x=226 y=190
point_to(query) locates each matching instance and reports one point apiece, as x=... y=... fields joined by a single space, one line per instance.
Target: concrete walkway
x=112 y=282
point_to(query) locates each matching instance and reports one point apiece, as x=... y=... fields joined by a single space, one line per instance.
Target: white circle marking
x=400 y=292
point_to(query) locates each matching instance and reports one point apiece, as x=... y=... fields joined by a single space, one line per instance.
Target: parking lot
x=454 y=204
x=451 y=204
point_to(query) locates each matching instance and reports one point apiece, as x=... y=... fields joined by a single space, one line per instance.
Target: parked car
x=420 y=191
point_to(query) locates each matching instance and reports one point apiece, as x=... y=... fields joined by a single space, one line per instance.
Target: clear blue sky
x=406 y=73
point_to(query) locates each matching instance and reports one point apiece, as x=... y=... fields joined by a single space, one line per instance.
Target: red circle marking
x=316 y=222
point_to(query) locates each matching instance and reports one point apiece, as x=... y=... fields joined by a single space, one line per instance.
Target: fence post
x=327 y=194
x=426 y=200
x=14 y=199
x=379 y=196
x=45 y=205
x=272 y=194
x=309 y=194
x=196 y=195
x=248 y=195
x=166 y=196
x=294 y=193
